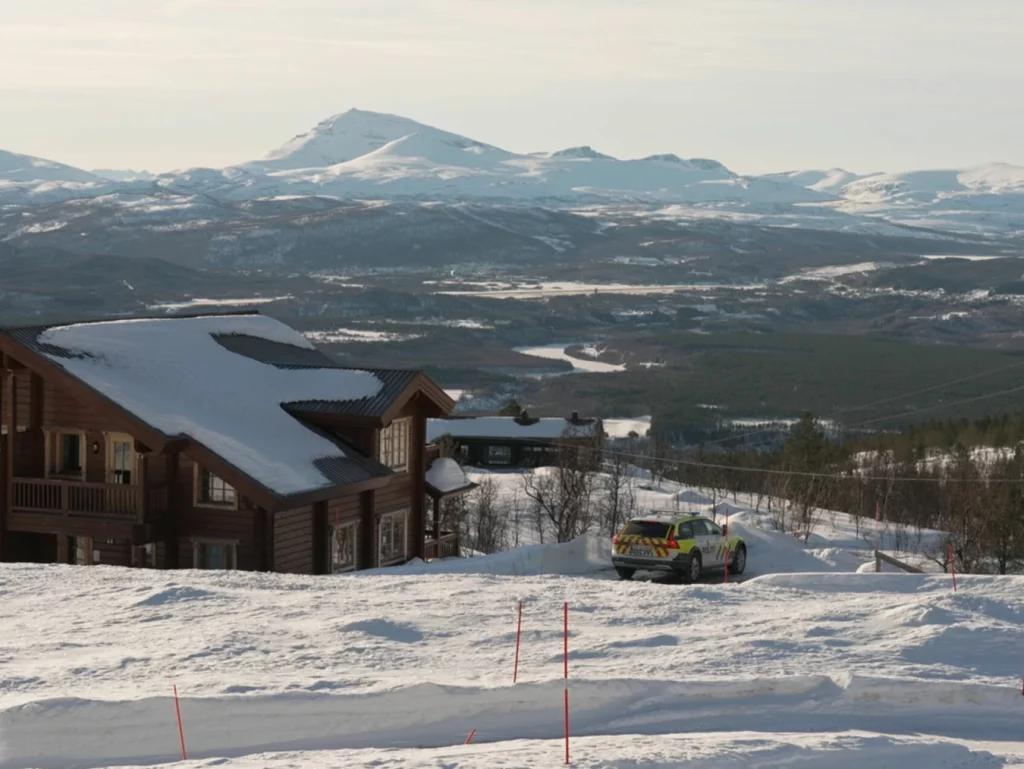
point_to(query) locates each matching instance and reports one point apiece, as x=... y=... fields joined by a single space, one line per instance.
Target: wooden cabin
x=497 y=441
x=210 y=442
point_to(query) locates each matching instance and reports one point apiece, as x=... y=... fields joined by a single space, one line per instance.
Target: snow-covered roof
x=174 y=375
x=445 y=476
x=508 y=427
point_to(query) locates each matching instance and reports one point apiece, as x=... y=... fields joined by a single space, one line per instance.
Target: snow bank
x=726 y=750
x=45 y=734
x=587 y=554
x=173 y=374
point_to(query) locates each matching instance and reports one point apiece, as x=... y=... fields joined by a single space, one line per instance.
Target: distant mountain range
x=367 y=156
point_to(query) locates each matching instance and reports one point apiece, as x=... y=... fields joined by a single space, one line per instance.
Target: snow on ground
x=621 y=428
x=396 y=669
x=579 y=365
x=351 y=335
x=200 y=303
x=837 y=543
x=805 y=663
x=546 y=289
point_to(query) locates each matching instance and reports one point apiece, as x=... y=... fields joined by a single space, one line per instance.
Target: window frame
x=387 y=447
x=491 y=460
x=197 y=490
x=230 y=547
x=713 y=529
x=336 y=567
x=403 y=515
x=112 y=439
x=54 y=449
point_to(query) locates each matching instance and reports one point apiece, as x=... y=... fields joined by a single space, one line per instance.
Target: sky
x=760 y=85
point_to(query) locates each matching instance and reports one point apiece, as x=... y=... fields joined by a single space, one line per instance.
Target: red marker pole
x=566 y=658
x=469 y=739
x=519 y=636
x=181 y=728
x=952 y=565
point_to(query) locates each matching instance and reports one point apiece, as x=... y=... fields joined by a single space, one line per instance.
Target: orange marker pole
x=181 y=728
x=566 y=658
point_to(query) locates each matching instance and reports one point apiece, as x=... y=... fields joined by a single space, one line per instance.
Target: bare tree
x=486 y=525
x=618 y=501
x=561 y=494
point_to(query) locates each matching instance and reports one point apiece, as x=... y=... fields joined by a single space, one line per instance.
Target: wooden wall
x=243 y=524
x=294 y=541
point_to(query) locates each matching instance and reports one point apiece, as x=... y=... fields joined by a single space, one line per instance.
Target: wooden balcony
x=75 y=499
x=447 y=546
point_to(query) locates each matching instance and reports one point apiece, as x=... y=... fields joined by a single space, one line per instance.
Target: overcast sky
x=761 y=85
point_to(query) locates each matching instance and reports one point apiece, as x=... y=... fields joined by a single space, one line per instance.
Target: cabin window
x=499 y=455
x=344 y=537
x=66 y=454
x=213 y=490
x=214 y=554
x=120 y=458
x=394 y=444
x=393 y=537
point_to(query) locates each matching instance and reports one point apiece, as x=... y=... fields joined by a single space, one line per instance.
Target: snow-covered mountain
x=831 y=181
x=26 y=168
x=360 y=155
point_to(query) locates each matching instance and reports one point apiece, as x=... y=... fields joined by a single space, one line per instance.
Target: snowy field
x=579 y=365
x=803 y=663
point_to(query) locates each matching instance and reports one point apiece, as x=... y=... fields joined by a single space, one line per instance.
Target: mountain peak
x=339 y=138
x=584 y=152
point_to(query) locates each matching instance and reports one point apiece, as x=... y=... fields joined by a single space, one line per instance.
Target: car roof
x=667 y=516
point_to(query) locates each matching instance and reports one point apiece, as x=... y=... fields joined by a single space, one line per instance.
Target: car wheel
x=739 y=561
x=625 y=573
x=693 y=567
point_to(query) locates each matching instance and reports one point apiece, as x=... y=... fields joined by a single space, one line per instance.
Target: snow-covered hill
x=361 y=155
x=799 y=670
x=26 y=168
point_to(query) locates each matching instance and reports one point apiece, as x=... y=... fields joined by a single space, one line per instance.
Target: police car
x=685 y=544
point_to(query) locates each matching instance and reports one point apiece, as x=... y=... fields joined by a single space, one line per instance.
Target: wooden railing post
x=142 y=488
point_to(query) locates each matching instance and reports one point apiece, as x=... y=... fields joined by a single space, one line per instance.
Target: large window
x=393 y=537
x=120 y=458
x=343 y=543
x=394 y=444
x=213 y=490
x=214 y=554
x=499 y=455
x=66 y=454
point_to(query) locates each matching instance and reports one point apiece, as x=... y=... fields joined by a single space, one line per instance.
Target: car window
x=713 y=529
x=652 y=529
x=699 y=529
x=684 y=531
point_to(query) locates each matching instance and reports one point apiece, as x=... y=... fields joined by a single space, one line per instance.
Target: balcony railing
x=39 y=495
x=445 y=547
